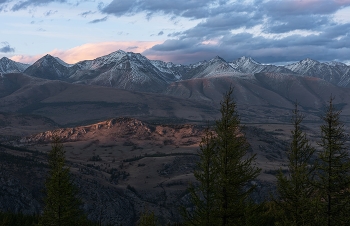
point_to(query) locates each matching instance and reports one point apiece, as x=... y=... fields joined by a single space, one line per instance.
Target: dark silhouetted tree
x=202 y=196
x=333 y=171
x=224 y=172
x=233 y=167
x=62 y=207
x=296 y=191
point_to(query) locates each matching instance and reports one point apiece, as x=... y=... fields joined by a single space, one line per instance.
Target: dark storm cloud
x=25 y=4
x=6 y=48
x=290 y=15
x=120 y=7
x=278 y=39
x=267 y=30
x=299 y=22
x=326 y=46
x=99 y=20
x=302 y=7
x=222 y=24
x=336 y=30
x=172 y=44
x=185 y=8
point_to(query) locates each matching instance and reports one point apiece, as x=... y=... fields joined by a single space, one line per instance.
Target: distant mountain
x=132 y=71
x=49 y=67
x=10 y=66
x=334 y=72
x=123 y=70
x=248 y=65
x=119 y=69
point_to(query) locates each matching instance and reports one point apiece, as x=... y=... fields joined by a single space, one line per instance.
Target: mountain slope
x=73 y=103
x=123 y=70
x=119 y=69
x=130 y=71
x=49 y=67
x=334 y=72
x=10 y=66
x=248 y=65
x=265 y=97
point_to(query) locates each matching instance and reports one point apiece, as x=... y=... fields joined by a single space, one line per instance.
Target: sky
x=179 y=31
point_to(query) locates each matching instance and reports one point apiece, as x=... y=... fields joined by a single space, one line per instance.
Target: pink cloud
x=26 y=59
x=89 y=51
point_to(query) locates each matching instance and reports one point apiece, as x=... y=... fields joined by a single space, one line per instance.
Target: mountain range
x=123 y=164
x=129 y=84
x=132 y=71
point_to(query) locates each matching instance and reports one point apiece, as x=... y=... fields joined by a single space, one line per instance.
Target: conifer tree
x=296 y=190
x=61 y=202
x=333 y=171
x=232 y=166
x=224 y=173
x=203 y=196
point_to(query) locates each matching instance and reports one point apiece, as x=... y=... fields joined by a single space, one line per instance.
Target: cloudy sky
x=181 y=31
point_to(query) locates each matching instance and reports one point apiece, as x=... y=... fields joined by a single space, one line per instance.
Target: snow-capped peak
x=217 y=58
x=112 y=57
x=245 y=59
x=246 y=65
x=336 y=63
x=9 y=66
x=63 y=63
x=309 y=61
x=302 y=66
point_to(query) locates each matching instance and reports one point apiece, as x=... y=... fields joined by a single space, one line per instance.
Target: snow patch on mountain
x=134 y=71
x=10 y=66
x=63 y=63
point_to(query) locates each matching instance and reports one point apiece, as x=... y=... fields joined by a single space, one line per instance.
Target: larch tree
x=333 y=171
x=233 y=167
x=296 y=190
x=224 y=173
x=61 y=205
x=202 y=196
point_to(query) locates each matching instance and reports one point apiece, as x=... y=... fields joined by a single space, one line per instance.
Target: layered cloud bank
x=182 y=31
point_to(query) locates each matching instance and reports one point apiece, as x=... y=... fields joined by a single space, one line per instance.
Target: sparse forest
x=314 y=190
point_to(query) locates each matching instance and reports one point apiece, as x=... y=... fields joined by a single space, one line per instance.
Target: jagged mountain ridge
x=334 y=72
x=249 y=65
x=119 y=69
x=10 y=66
x=131 y=71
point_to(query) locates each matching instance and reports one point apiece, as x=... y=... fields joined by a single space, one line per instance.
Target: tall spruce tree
x=232 y=166
x=224 y=173
x=202 y=196
x=296 y=190
x=61 y=202
x=333 y=171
